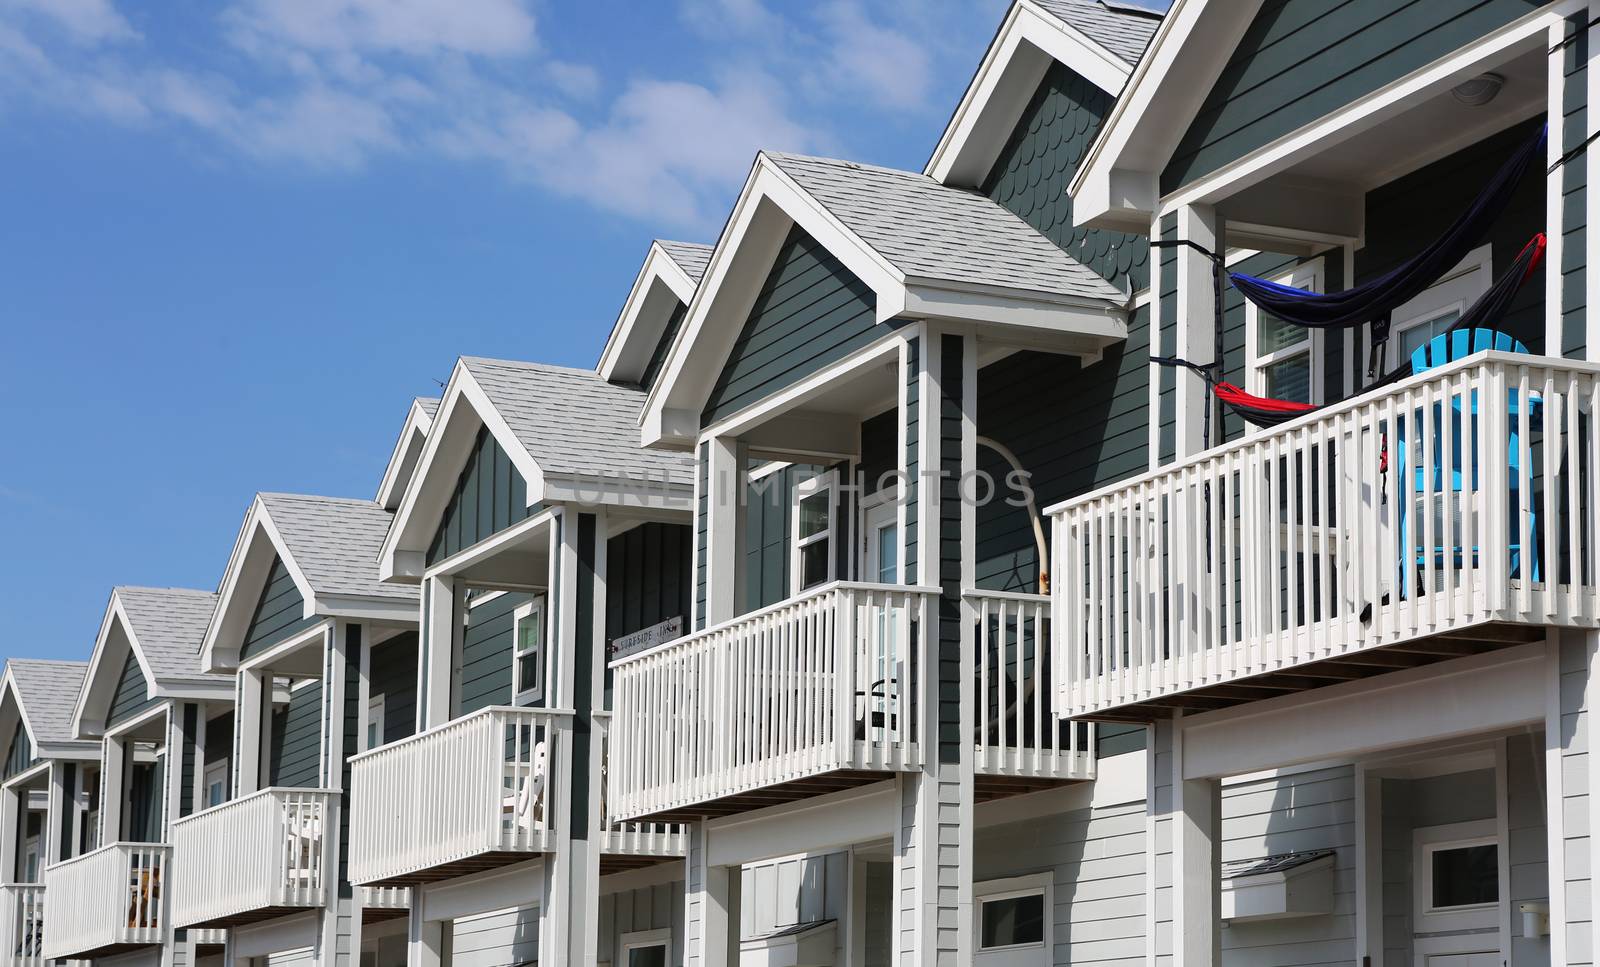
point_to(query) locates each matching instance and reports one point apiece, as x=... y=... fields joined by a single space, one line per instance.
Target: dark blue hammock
x=1372 y=301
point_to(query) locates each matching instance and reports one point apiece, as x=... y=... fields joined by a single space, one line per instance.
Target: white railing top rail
x=249 y=797
x=392 y=748
x=1288 y=429
x=1027 y=597
x=759 y=613
x=123 y=845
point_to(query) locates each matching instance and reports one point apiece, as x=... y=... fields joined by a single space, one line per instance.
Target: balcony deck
x=1352 y=542
x=819 y=694
x=254 y=858
x=107 y=901
x=465 y=796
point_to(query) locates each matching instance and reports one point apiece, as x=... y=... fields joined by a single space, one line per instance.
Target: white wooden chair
x=525 y=804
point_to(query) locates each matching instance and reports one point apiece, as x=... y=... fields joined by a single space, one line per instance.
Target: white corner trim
x=995 y=86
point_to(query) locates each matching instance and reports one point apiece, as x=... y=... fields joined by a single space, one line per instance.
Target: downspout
x=1033 y=509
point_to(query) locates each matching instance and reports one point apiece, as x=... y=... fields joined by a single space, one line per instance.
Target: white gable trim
x=88 y=715
x=660 y=278
x=465 y=407
x=1017 y=59
x=8 y=686
x=247 y=571
x=403 y=460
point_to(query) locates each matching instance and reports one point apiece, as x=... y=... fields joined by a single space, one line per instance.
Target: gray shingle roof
x=334 y=541
x=692 y=257
x=931 y=231
x=48 y=691
x=429 y=404
x=1126 y=33
x=170 y=624
x=571 y=421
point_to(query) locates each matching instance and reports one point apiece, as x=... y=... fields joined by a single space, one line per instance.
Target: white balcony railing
x=1457 y=497
x=106 y=900
x=820 y=683
x=474 y=786
x=22 y=919
x=385 y=898
x=261 y=852
x=631 y=839
x=1018 y=731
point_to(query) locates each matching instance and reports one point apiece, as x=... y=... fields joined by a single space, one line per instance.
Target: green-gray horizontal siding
x=1300 y=60
x=19 y=755
x=393 y=672
x=486 y=643
x=1031 y=174
x=810 y=312
x=132 y=694
x=279 y=614
x=297 y=739
x=1574 y=189
x=658 y=355
x=489 y=496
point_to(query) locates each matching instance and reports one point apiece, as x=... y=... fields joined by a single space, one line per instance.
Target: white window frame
x=30 y=852
x=1040 y=884
x=873 y=522
x=1307 y=275
x=529 y=611
x=642 y=939
x=1455 y=291
x=1428 y=840
x=372 y=737
x=826 y=482
x=214 y=772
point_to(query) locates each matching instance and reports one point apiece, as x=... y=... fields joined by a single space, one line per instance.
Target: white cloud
x=492 y=28
x=83 y=21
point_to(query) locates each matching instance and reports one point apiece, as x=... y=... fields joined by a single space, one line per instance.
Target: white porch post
x=441 y=626
x=711 y=914
x=724 y=495
x=172 y=769
x=12 y=803
x=425 y=939
x=113 y=779
x=1188 y=814
x=251 y=696
x=1572 y=729
x=59 y=799
x=1197 y=325
x=343 y=647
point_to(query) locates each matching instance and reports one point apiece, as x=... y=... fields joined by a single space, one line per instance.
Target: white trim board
x=659 y=288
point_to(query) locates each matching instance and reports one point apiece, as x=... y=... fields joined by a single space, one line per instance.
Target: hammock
x=1372 y=301
x=1263 y=411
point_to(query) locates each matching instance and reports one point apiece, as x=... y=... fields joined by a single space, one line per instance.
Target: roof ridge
x=76 y=662
x=531 y=364
x=152 y=587
x=364 y=501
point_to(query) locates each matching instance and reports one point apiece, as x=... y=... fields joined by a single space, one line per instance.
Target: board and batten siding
x=787 y=892
x=19 y=754
x=297 y=738
x=490 y=495
x=658 y=355
x=1300 y=60
x=1574 y=187
x=392 y=670
x=496 y=939
x=484 y=678
x=132 y=694
x=1096 y=858
x=656 y=907
x=810 y=312
x=280 y=612
x=1033 y=169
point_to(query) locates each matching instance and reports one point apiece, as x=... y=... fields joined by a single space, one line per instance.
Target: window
x=215 y=783
x=1285 y=360
x=1465 y=876
x=646 y=948
x=30 y=860
x=1458 y=876
x=374 y=722
x=528 y=663
x=812 y=562
x=1439 y=307
x=1013 y=920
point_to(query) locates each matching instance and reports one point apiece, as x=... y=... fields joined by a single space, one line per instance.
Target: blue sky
x=237 y=237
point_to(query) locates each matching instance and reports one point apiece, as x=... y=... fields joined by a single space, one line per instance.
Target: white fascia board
x=293 y=643
x=590 y=491
x=218 y=650
x=31 y=773
x=8 y=687
x=1097 y=322
x=82 y=718
x=405 y=546
x=242 y=543
x=658 y=268
x=356 y=607
x=191 y=690
x=1018 y=57
x=418 y=423
x=68 y=749
x=768 y=204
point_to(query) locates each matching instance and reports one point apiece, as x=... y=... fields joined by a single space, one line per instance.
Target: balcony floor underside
x=623 y=862
x=476 y=863
x=774 y=795
x=371 y=915
x=1366 y=663
x=110 y=950
x=988 y=787
x=246 y=918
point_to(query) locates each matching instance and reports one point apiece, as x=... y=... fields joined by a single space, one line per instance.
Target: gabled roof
x=45 y=692
x=925 y=250
x=1123 y=29
x=940 y=234
x=403 y=459
x=570 y=421
x=570 y=435
x=329 y=546
x=664 y=285
x=691 y=257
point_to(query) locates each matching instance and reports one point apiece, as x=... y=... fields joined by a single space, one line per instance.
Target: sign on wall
x=646 y=638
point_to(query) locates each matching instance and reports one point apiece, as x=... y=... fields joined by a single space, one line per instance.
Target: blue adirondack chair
x=1430 y=476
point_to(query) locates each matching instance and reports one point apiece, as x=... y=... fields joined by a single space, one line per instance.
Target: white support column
x=441 y=626
x=425 y=939
x=252 y=696
x=1197 y=326
x=198 y=785
x=12 y=803
x=346 y=642
x=724 y=496
x=113 y=782
x=59 y=801
x=1196 y=872
x=1369 y=866
x=172 y=772
x=1591 y=167
x=1572 y=660
x=711 y=916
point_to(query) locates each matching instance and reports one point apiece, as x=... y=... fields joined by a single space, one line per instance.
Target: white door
x=880 y=564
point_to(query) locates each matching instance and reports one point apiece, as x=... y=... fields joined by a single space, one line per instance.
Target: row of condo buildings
x=877 y=599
